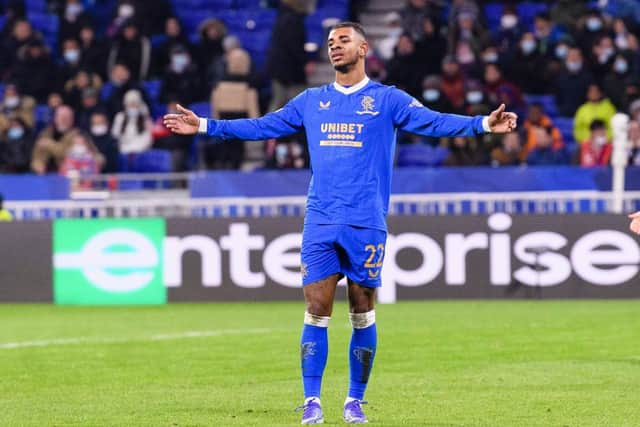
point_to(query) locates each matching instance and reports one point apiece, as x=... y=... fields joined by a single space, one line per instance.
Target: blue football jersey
x=351 y=133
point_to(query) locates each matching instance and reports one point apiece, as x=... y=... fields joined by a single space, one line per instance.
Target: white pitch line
x=111 y=340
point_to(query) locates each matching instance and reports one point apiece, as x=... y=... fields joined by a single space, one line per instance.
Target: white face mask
x=508 y=21
x=72 y=55
x=11 y=101
x=562 y=51
x=574 y=67
x=179 y=62
x=99 y=130
x=600 y=140
x=431 y=95
x=527 y=46
x=15 y=133
x=78 y=150
x=490 y=57
x=474 y=97
x=126 y=11
x=132 y=111
x=594 y=24
x=620 y=66
x=621 y=42
x=73 y=10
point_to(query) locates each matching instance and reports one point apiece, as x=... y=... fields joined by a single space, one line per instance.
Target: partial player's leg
x=314 y=346
x=320 y=273
x=362 y=348
x=364 y=249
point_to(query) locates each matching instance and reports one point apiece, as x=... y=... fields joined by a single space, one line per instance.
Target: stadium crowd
x=91 y=100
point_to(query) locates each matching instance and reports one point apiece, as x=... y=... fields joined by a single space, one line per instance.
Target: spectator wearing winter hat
x=132 y=126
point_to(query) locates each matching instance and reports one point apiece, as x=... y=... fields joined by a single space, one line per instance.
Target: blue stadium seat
x=158 y=161
x=493 y=13
x=153 y=88
x=106 y=90
x=548 y=103
x=565 y=125
x=527 y=11
x=42 y=116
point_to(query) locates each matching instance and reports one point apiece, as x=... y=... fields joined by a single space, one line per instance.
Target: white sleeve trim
x=202 y=128
x=485 y=124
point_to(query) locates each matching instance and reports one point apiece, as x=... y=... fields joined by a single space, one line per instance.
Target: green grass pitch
x=466 y=363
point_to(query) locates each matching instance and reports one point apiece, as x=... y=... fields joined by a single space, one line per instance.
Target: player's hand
x=635 y=222
x=185 y=122
x=501 y=121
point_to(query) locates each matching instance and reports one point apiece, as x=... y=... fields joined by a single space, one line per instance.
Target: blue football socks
x=362 y=351
x=314 y=348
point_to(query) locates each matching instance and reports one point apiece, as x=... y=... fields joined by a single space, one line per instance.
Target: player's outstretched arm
x=635 y=222
x=185 y=122
x=501 y=121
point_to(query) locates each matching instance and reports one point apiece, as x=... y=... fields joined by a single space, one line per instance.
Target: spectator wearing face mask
x=527 y=66
x=386 y=45
x=52 y=143
x=476 y=101
x=89 y=105
x=71 y=62
x=591 y=27
x=14 y=104
x=571 y=85
x=209 y=50
x=620 y=77
x=596 y=149
x=21 y=34
x=509 y=32
x=132 y=126
x=597 y=107
x=181 y=78
x=72 y=17
x=173 y=37
x=624 y=40
x=104 y=141
x=16 y=144
x=557 y=58
x=602 y=56
x=432 y=96
x=132 y=48
x=546 y=33
x=495 y=85
x=81 y=159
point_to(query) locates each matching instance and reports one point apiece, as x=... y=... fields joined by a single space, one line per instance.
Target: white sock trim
x=315 y=320
x=362 y=320
x=349 y=400
x=310 y=398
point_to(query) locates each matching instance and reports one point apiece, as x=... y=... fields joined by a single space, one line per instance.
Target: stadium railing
x=402 y=204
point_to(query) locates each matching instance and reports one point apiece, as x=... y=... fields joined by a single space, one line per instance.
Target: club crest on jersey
x=325 y=105
x=368 y=107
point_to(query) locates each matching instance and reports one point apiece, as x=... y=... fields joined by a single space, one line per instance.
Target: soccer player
x=351 y=127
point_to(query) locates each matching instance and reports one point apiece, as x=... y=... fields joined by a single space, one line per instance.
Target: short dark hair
x=348 y=24
x=597 y=124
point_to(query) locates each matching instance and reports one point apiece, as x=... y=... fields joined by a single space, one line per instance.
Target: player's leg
x=362 y=348
x=365 y=251
x=320 y=271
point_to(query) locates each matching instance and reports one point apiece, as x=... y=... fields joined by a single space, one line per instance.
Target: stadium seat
x=527 y=11
x=106 y=90
x=565 y=125
x=493 y=13
x=548 y=103
x=153 y=88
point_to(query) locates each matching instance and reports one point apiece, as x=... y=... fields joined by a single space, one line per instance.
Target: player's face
x=346 y=48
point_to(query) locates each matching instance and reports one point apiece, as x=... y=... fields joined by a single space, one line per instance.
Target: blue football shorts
x=354 y=252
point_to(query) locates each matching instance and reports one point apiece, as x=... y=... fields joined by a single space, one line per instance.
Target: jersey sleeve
x=411 y=116
x=285 y=121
